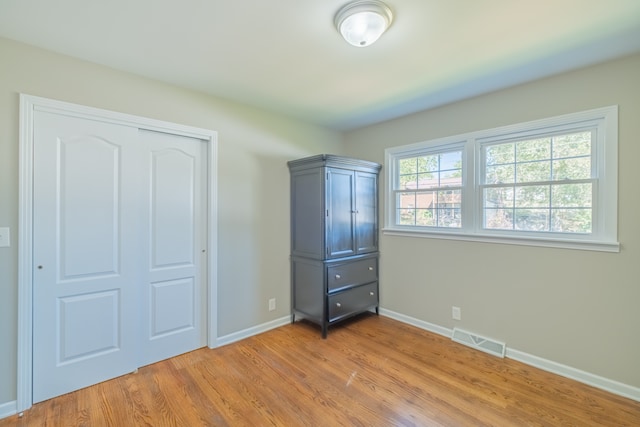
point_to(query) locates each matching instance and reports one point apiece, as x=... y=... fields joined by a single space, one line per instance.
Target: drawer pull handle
x=370 y=268
x=338 y=277
x=372 y=293
x=338 y=305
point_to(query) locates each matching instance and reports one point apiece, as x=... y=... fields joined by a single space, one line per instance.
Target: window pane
x=449 y=203
x=407 y=166
x=498 y=219
x=532 y=172
x=451 y=169
x=498 y=197
x=425 y=217
x=428 y=163
x=534 y=149
x=571 y=195
x=451 y=178
x=572 y=145
x=531 y=219
x=535 y=196
x=408 y=182
x=451 y=160
x=449 y=217
x=500 y=174
x=406 y=217
x=425 y=200
x=406 y=200
x=571 y=220
x=500 y=154
x=427 y=180
x=449 y=198
x=575 y=168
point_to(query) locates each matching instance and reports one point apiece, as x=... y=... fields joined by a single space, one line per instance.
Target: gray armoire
x=334 y=238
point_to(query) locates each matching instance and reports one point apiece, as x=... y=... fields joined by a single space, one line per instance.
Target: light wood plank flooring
x=373 y=371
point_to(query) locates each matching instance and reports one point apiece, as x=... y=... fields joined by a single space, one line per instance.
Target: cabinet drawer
x=353 y=301
x=352 y=273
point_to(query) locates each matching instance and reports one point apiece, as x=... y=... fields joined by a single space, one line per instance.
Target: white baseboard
x=436 y=329
x=7 y=409
x=249 y=332
x=597 y=381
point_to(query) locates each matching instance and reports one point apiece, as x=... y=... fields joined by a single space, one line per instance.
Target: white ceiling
x=286 y=56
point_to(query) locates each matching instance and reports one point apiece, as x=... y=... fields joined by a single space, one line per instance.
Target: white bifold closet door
x=118 y=237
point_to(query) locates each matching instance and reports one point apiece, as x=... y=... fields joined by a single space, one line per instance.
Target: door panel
x=172 y=307
x=173 y=186
x=84 y=288
x=77 y=341
x=88 y=214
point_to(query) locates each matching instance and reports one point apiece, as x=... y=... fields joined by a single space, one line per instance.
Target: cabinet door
x=307 y=213
x=340 y=213
x=366 y=206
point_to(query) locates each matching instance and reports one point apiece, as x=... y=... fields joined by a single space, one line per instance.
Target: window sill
x=586 y=245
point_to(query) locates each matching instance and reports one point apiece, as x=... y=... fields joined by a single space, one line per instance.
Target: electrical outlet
x=5 y=238
x=272 y=304
x=456 y=313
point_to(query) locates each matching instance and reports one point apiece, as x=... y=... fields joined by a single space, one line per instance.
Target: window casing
x=551 y=182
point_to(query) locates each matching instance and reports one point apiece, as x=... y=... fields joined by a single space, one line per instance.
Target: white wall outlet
x=456 y=313
x=272 y=304
x=5 y=237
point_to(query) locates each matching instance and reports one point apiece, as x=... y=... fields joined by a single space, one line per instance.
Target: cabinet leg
x=325 y=327
x=377 y=310
x=293 y=318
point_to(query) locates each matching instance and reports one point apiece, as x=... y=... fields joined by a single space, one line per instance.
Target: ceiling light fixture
x=361 y=23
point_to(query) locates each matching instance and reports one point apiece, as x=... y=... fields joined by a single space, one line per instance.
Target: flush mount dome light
x=361 y=23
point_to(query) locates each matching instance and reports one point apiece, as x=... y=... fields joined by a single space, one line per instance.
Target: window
x=551 y=182
x=429 y=191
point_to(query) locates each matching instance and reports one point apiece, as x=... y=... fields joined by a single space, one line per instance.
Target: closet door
x=119 y=233
x=174 y=298
x=86 y=230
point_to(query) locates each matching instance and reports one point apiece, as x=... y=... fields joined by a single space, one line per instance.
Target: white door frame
x=28 y=105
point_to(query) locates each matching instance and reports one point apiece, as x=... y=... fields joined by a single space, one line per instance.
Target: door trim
x=28 y=105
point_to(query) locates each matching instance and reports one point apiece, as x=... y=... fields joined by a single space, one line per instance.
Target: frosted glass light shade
x=361 y=23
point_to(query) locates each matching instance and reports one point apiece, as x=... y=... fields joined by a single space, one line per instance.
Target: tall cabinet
x=334 y=238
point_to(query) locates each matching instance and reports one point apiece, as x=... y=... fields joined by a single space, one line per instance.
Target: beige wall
x=254 y=147
x=572 y=307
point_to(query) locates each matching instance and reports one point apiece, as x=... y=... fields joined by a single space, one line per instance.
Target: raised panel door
x=307 y=213
x=366 y=212
x=174 y=297
x=85 y=251
x=340 y=213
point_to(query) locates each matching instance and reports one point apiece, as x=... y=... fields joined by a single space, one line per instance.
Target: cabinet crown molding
x=332 y=160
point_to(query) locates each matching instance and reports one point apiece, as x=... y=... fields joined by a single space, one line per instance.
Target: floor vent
x=472 y=340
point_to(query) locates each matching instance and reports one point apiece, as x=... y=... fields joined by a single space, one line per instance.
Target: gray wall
x=254 y=147
x=573 y=307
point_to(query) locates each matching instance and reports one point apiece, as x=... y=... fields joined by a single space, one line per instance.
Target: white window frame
x=605 y=198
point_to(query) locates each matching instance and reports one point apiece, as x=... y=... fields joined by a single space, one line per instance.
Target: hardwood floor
x=370 y=372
